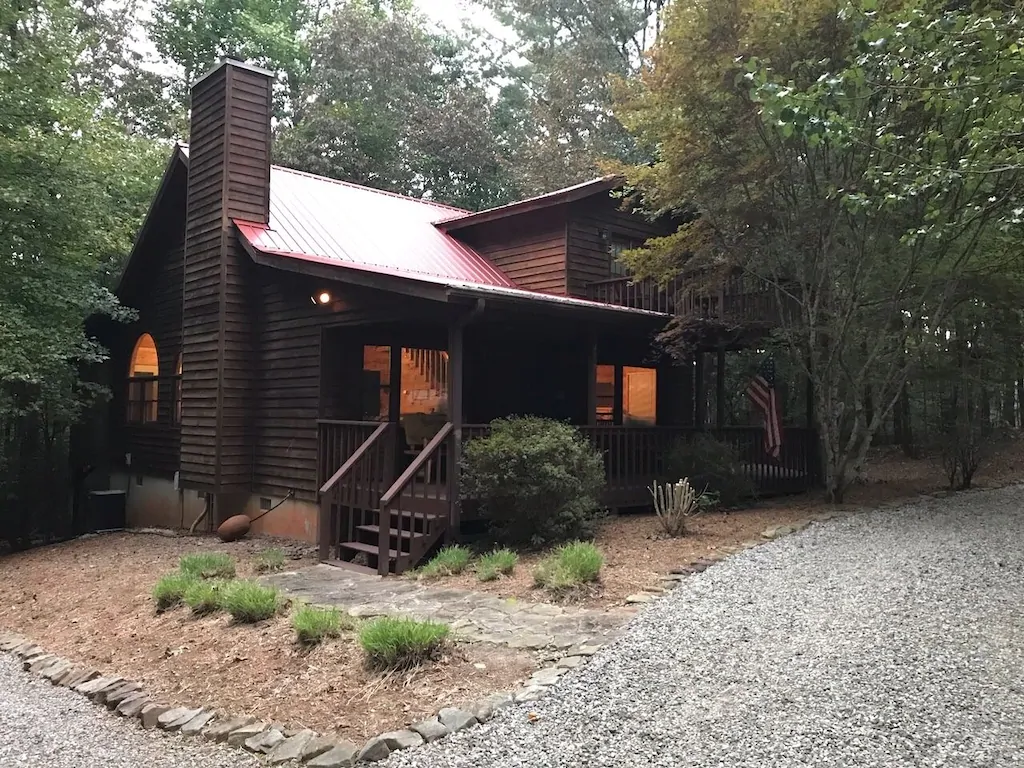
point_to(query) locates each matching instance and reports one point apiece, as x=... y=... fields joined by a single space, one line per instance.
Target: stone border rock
x=276 y=743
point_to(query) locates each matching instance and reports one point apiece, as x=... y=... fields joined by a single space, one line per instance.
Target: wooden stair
x=381 y=526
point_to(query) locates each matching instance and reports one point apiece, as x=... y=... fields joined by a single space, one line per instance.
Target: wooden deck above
x=739 y=300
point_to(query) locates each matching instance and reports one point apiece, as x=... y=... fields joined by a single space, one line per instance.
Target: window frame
x=142 y=395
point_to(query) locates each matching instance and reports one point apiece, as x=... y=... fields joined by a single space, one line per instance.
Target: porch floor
x=476 y=617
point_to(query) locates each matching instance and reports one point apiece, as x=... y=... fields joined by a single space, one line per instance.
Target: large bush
x=712 y=464
x=537 y=481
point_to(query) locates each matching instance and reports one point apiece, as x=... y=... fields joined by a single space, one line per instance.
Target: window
x=143 y=382
x=639 y=396
x=177 y=391
x=605 y=394
x=616 y=245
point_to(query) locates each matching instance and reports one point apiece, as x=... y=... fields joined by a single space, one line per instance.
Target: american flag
x=761 y=392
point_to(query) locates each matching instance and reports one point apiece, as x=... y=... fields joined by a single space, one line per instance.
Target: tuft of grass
x=314 y=624
x=249 y=602
x=395 y=643
x=448 y=562
x=208 y=565
x=572 y=565
x=500 y=562
x=269 y=560
x=203 y=596
x=171 y=588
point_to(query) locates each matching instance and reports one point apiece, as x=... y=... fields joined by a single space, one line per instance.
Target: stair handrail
x=416 y=465
x=354 y=459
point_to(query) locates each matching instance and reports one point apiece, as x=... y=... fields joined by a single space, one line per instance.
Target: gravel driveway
x=894 y=638
x=46 y=726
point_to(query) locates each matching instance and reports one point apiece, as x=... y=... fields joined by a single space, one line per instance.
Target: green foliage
x=712 y=464
x=314 y=624
x=573 y=565
x=395 y=105
x=861 y=167
x=500 y=562
x=171 y=588
x=269 y=560
x=448 y=562
x=538 y=481
x=394 y=643
x=203 y=596
x=208 y=565
x=249 y=602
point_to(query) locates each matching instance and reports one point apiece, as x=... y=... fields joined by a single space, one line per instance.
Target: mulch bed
x=89 y=601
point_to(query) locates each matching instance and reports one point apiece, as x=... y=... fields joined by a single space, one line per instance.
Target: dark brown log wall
x=530 y=248
x=155 y=291
x=229 y=177
x=588 y=254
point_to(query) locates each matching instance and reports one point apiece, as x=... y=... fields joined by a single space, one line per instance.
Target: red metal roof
x=312 y=216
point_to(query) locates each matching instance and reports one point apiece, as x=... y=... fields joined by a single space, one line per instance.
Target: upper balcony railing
x=739 y=299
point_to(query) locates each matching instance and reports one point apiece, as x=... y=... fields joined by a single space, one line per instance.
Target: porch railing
x=738 y=299
x=634 y=456
x=415 y=510
x=350 y=496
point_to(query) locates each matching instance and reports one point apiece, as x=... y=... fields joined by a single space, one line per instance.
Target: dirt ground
x=89 y=600
x=637 y=554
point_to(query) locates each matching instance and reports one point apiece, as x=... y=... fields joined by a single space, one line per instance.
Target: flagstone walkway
x=474 y=616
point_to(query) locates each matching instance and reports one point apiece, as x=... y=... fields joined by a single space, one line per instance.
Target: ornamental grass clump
x=249 y=602
x=171 y=588
x=208 y=565
x=203 y=596
x=269 y=560
x=313 y=625
x=448 y=562
x=398 y=643
x=500 y=562
x=572 y=566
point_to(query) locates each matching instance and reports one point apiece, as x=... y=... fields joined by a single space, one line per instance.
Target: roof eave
x=148 y=222
x=543 y=202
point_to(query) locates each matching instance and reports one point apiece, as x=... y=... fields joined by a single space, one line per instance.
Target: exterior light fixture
x=323 y=297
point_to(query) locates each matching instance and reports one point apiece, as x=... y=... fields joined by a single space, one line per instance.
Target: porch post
x=720 y=390
x=395 y=408
x=591 y=379
x=699 y=393
x=456 y=359
x=617 y=396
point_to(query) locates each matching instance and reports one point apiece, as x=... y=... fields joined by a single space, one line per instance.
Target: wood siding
x=588 y=251
x=156 y=294
x=530 y=249
x=229 y=176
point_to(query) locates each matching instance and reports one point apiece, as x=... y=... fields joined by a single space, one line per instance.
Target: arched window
x=177 y=391
x=143 y=384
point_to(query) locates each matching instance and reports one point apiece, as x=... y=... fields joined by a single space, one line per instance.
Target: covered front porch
x=400 y=400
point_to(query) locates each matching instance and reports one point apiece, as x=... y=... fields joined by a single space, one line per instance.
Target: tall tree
x=558 y=75
x=863 y=164
x=195 y=34
x=391 y=104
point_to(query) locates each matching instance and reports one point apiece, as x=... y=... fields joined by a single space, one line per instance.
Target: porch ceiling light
x=322 y=298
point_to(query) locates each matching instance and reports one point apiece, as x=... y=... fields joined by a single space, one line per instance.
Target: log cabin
x=326 y=349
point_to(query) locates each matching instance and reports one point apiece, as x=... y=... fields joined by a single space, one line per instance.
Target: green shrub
x=500 y=562
x=712 y=464
x=208 y=565
x=249 y=602
x=269 y=560
x=571 y=566
x=537 y=481
x=203 y=596
x=312 y=624
x=448 y=562
x=170 y=589
x=393 y=643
